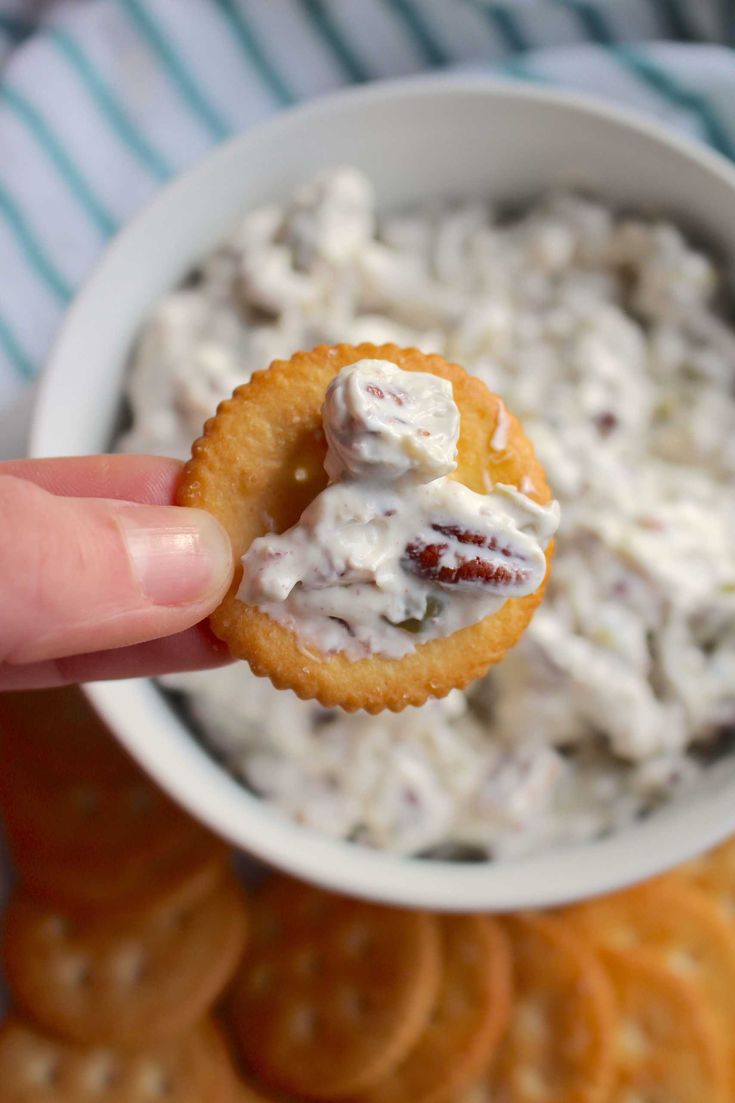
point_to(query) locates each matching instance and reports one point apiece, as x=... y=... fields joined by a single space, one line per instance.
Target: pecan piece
x=491 y=564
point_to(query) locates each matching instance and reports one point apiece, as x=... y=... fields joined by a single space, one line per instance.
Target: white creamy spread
x=393 y=553
x=607 y=336
x=382 y=423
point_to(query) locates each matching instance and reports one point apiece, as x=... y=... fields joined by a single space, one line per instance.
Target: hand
x=101 y=576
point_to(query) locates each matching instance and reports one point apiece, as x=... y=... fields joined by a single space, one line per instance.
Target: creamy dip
x=607 y=336
x=392 y=552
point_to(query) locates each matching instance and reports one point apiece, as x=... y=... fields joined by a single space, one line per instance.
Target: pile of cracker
x=142 y=972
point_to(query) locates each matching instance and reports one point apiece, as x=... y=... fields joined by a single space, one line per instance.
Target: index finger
x=149 y=480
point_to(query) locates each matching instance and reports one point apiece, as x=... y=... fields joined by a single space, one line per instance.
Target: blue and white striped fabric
x=102 y=101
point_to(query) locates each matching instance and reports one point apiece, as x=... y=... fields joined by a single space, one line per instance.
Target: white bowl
x=434 y=137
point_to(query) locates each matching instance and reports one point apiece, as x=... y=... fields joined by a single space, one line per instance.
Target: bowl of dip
x=574 y=257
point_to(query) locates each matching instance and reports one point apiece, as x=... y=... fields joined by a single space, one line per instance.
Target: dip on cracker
x=420 y=562
x=393 y=552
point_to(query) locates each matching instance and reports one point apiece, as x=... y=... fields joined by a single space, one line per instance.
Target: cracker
x=333 y=992
x=668 y=1047
x=680 y=928
x=130 y=981
x=257 y=467
x=35 y=1068
x=248 y=1091
x=55 y=732
x=135 y=883
x=470 y=1014
x=89 y=820
x=714 y=874
x=559 y=1044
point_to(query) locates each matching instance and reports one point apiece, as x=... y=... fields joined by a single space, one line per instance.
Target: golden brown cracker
x=56 y=732
x=559 y=1044
x=90 y=820
x=251 y=1091
x=467 y=1021
x=36 y=1068
x=333 y=992
x=668 y=1048
x=133 y=883
x=714 y=874
x=258 y=466
x=135 y=980
x=680 y=928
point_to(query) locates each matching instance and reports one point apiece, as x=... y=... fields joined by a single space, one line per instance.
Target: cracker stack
x=627 y=998
x=126 y=925
x=123 y=947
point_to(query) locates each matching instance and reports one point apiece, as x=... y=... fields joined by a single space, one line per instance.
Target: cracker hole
x=624 y=937
x=141 y=800
x=76 y=972
x=101 y=1074
x=260 y=980
x=178 y=918
x=58 y=927
x=44 y=1071
x=632 y=1039
x=155 y=1083
x=300 y=474
x=531 y=1020
x=303 y=1024
x=684 y=961
x=355 y=1005
x=357 y=941
x=531 y=1084
x=308 y=963
x=129 y=966
x=85 y=801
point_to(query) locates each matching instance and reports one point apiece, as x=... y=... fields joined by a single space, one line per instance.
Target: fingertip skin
x=69 y=583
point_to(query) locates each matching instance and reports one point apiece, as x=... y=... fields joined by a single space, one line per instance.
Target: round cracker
x=260 y=463
x=95 y=821
x=470 y=1014
x=668 y=1047
x=333 y=992
x=130 y=981
x=248 y=1091
x=680 y=928
x=559 y=1044
x=135 y=883
x=56 y=732
x=714 y=874
x=35 y=1068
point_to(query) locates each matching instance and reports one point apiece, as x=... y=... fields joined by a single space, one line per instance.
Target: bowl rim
x=209 y=792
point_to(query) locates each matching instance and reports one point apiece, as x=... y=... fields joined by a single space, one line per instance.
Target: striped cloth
x=102 y=101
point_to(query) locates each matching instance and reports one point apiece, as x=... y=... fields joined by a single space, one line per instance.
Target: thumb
x=89 y=574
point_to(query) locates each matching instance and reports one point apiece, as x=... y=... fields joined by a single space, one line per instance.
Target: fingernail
x=178 y=556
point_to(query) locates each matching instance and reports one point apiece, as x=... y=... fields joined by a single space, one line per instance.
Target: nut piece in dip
x=415 y=567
